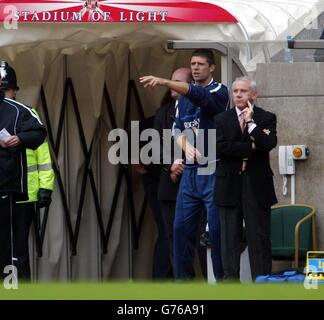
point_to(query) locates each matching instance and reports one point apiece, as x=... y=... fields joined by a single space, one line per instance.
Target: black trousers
x=15 y=221
x=258 y=237
x=161 y=261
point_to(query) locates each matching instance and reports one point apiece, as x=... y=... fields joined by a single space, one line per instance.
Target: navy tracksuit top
x=198 y=107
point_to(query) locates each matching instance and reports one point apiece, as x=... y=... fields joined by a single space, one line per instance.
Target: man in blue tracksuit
x=198 y=104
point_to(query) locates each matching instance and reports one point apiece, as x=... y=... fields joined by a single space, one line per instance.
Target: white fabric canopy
x=258 y=20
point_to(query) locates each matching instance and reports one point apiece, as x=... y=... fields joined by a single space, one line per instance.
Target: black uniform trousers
x=257 y=227
x=15 y=222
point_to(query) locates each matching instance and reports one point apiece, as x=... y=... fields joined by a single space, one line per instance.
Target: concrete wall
x=295 y=93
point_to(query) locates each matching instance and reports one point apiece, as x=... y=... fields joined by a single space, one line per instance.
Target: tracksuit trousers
x=195 y=192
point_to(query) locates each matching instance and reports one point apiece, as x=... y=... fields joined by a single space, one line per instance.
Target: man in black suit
x=171 y=173
x=244 y=185
x=150 y=175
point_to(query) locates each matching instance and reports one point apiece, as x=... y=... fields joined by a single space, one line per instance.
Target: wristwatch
x=250 y=121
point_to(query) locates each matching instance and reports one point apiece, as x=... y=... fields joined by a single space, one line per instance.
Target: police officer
x=26 y=131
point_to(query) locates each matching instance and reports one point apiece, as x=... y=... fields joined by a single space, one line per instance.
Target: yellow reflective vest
x=40 y=173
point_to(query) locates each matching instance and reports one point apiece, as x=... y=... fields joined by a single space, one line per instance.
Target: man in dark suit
x=244 y=185
x=150 y=175
x=171 y=173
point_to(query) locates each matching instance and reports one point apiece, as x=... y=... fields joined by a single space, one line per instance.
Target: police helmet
x=8 y=77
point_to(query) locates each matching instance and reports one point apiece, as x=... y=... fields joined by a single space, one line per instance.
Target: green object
x=39 y=172
x=131 y=290
x=292 y=232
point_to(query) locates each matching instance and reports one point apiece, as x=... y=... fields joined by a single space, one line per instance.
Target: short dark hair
x=206 y=53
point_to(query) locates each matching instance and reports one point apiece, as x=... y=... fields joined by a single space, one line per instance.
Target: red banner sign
x=113 y=11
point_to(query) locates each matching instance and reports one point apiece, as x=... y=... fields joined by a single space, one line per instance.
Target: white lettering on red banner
x=114 y=11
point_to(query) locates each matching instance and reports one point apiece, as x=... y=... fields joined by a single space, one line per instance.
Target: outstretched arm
x=150 y=82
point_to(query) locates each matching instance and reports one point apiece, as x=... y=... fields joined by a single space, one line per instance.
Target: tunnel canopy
x=263 y=20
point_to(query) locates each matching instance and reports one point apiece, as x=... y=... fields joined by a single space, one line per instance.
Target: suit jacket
x=152 y=169
x=232 y=146
x=164 y=119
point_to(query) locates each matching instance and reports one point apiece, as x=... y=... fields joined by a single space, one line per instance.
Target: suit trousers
x=257 y=228
x=162 y=268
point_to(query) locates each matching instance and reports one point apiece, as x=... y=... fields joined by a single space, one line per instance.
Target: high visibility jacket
x=40 y=173
x=18 y=120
